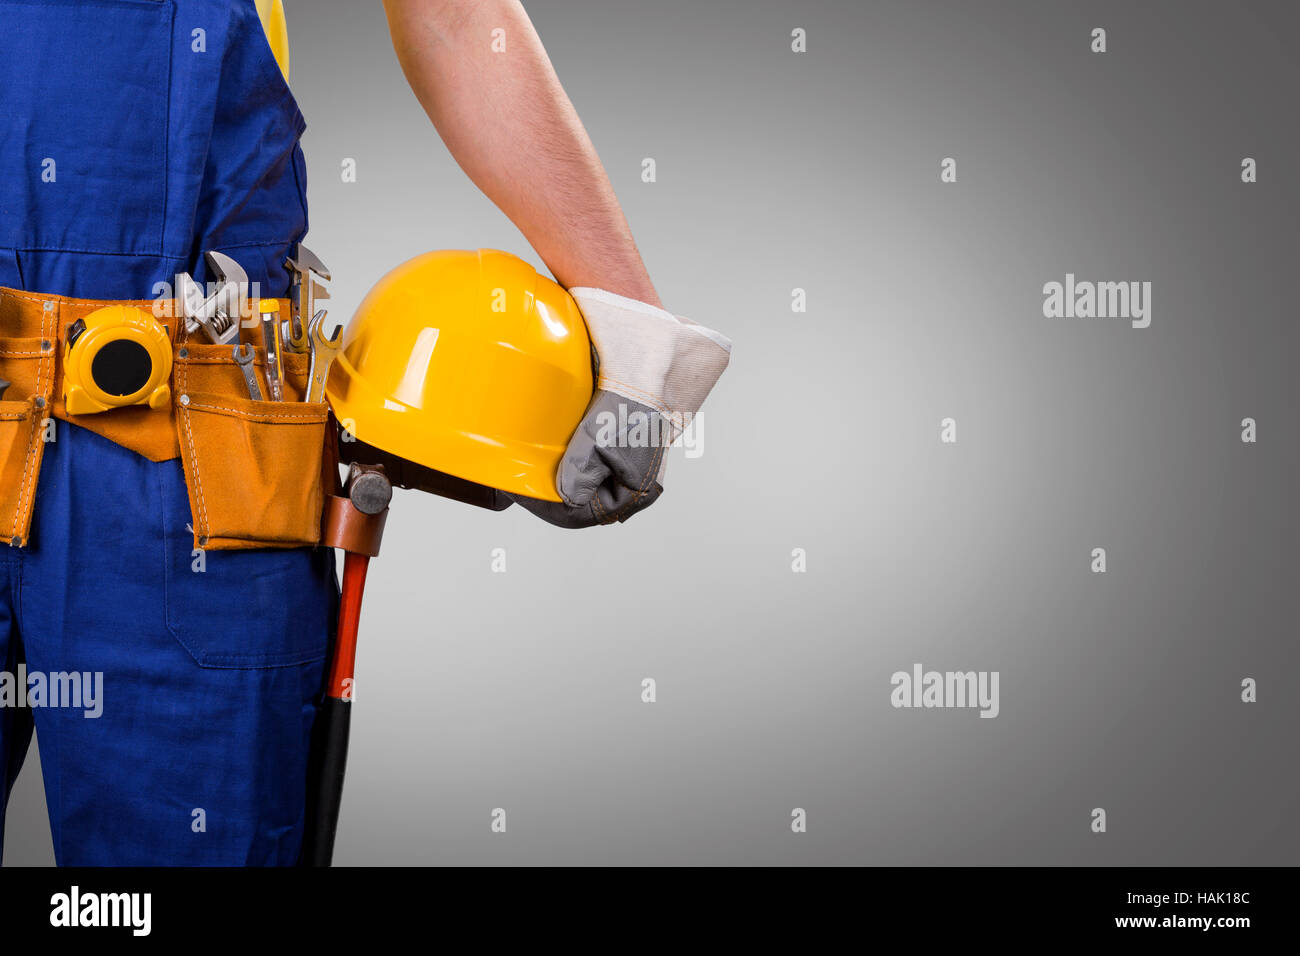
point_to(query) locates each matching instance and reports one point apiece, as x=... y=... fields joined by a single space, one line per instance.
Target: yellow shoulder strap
x=277 y=31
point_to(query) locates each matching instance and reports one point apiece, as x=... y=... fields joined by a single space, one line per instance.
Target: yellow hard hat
x=470 y=363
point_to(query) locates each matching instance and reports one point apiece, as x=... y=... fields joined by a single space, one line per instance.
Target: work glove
x=654 y=371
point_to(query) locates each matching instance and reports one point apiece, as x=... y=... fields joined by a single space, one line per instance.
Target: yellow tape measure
x=114 y=357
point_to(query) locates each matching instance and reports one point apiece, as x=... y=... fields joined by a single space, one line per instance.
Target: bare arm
x=509 y=124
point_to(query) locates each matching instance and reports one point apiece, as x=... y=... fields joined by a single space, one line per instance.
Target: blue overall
x=134 y=135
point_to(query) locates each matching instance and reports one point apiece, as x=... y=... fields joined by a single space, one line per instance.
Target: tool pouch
x=20 y=449
x=28 y=365
x=254 y=470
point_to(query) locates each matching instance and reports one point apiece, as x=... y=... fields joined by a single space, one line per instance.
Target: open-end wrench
x=323 y=352
x=244 y=355
x=305 y=265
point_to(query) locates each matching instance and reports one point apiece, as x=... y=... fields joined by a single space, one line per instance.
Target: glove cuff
x=650 y=356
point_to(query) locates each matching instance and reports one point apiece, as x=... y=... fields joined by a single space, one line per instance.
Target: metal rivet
x=40 y=401
x=45 y=345
x=49 y=305
x=203 y=541
x=16 y=543
x=184 y=353
x=184 y=399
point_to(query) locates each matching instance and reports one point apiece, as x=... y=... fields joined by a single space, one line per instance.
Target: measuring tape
x=114 y=357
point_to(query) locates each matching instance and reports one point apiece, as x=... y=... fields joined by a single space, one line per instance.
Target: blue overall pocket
x=79 y=179
x=243 y=609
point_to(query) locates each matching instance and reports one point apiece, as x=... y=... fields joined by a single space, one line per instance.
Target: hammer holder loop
x=350 y=529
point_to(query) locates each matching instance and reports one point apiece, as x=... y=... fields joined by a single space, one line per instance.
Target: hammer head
x=369 y=488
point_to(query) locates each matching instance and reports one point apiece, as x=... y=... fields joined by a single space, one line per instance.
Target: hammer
x=354 y=523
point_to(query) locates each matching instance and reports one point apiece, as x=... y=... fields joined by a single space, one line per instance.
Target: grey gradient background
x=821 y=170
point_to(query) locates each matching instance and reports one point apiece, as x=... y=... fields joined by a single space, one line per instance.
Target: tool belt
x=256 y=471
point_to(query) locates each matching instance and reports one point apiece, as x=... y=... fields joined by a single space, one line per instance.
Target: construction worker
x=161 y=556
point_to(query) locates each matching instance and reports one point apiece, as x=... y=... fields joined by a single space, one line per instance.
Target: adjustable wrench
x=200 y=313
x=244 y=355
x=219 y=314
x=305 y=266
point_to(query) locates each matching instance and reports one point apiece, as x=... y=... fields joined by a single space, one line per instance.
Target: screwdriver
x=270 y=311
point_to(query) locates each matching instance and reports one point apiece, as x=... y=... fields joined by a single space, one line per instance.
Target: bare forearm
x=508 y=122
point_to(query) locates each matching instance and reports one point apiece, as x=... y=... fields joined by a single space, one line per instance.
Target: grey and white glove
x=654 y=372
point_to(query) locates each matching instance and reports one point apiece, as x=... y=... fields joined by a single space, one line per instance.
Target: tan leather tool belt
x=256 y=470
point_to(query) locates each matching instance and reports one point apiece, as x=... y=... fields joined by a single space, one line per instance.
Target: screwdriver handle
x=270 y=312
